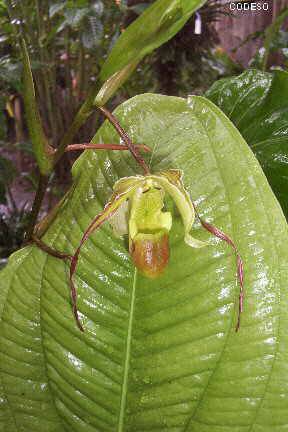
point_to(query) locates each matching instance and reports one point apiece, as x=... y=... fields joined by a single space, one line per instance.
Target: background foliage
x=257 y=104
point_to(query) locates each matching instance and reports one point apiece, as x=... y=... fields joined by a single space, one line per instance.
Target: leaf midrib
x=127 y=357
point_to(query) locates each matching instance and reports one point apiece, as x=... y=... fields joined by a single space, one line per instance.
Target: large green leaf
x=256 y=102
x=163 y=354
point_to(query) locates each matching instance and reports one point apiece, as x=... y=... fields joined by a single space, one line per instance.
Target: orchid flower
x=138 y=202
x=136 y=209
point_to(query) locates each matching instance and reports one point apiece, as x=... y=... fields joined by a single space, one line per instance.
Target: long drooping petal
x=240 y=268
x=109 y=210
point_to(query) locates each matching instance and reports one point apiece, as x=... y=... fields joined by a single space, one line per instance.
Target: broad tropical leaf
x=163 y=354
x=256 y=102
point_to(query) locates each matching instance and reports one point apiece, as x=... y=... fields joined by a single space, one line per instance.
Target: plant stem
x=48 y=249
x=84 y=146
x=40 y=193
x=133 y=149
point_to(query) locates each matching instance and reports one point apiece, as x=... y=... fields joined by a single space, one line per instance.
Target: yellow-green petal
x=171 y=182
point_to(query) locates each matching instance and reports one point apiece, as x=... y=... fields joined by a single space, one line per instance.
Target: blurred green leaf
x=10 y=72
x=273 y=39
x=140 y=8
x=7 y=175
x=271 y=32
x=12 y=228
x=93 y=34
x=55 y=8
x=7 y=170
x=157 y=24
x=32 y=181
x=256 y=102
x=156 y=354
x=3 y=124
x=110 y=87
x=41 y=148
x=3 y=198
x=75 y=15
x=25 y=146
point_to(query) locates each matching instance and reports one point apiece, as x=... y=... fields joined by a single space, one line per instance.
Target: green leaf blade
x=256 y=103
x=185 y=368
x=41 y=148
x=156 y=25
x=23 y=377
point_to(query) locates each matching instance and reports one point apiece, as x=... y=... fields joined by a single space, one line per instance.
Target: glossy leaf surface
x=163 y=354
x=256 y=102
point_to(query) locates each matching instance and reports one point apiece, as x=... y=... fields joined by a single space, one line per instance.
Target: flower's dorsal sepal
x=171 y=182
x=146 y=215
